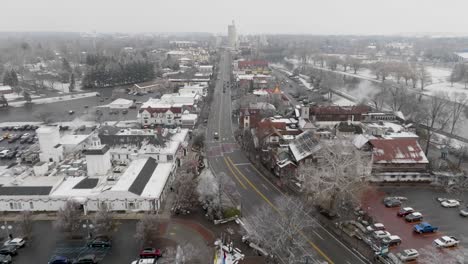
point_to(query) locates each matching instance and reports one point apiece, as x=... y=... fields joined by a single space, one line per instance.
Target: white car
x=450 y=203
x=19 y=242
x=380 y=234
x=464 y=212
x=446 y=241
x=375 y=227
x=25 y=135
x=408 y=255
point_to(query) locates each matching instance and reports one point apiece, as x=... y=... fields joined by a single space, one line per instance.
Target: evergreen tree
x=27 y=97
x=7 y=78
x=3 y=101
x=14 y=78
x=71 y=87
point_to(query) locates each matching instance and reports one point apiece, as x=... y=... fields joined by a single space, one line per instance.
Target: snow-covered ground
x=48 y=100
x=15 y=96
x=341 y=101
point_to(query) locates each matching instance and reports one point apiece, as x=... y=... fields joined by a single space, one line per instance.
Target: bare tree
x=332 y=62
x=457 y=106
x=45 y=117
x=147 y=229
x=185 y=187
x=104 y=220
x=355 y=64
x=188 y=253
x=26 y=223
x=280 y=230
x=339 y=176
x=429 y=255
x=424 y=75
x=68 y=218
x=199 y=140
x=433 y=112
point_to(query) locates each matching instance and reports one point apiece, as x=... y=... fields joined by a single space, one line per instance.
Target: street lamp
x=7 y=228
x=89 y=227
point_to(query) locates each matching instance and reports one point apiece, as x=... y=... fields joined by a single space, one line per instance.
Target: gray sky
x=252 y=16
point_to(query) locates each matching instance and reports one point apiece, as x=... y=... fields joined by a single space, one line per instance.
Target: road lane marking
x=282 y=215
x=233 y=173
x=318 y=235
x=265 y=178
x=264 y=186
x=242 y=164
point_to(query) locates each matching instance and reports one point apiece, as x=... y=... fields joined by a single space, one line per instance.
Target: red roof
x=339 y=110
x=397 y=151
x=254 y=63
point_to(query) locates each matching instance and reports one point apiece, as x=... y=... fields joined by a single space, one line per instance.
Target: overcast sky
x=251 y=16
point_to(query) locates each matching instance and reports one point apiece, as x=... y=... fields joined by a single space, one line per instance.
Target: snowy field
x=49 y=100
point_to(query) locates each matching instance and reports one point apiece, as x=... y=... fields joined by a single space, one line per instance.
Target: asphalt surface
x=47 y=242
x=423 y=200
x=224 y=156
x=59 y=111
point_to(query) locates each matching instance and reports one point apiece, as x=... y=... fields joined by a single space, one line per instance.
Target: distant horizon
x=296 y=17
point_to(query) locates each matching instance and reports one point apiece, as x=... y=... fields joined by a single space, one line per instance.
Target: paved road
x=225 y=156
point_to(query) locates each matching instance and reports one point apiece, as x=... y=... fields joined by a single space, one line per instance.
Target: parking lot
x=423 y=200
x=16 y=140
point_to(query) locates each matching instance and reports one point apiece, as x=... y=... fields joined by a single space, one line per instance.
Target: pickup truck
x=446 y=241
x=425 y=227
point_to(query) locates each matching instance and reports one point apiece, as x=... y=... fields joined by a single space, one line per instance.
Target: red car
x=405 y=211
x=150 y=253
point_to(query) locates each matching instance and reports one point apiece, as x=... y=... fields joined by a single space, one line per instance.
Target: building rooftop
x=397 y=151
x=96 y=150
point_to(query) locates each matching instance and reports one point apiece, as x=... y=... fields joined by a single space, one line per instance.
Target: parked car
x=87 y=259
x=464 y=212
x=401 y=198
x=71 y=112
x=450 y=203
x=375 y=227
x=408 y=255
x=391 y=241
x=4 y=152
x=18 y=242
x=9 y=250
x=216 y=135
x=392 y=203
x=150 y=253
x=425 y=227
x=100 y=241
x=381 y=234
x=144 y=261
x=446 y=241
x=414 y=217
x=59 y=260
x=5 y=259
x=405 y=211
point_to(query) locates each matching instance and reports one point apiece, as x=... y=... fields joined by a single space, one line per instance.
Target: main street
x=225 y=156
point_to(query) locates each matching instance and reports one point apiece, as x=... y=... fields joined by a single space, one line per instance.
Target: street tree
x=26 y=223
x=186 y=253
x=199 y=140
x=147 y=230
x=3 y=101
x=338 y=178
x=279 y=229
x=27 y=97
x=68 y=218
x=185 y=187
x=355 y=64
x=332 y=62
x=103 y=220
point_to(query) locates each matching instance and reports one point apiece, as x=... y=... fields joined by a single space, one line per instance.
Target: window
x=169 y=157
x=31 y=205
x=15 y=206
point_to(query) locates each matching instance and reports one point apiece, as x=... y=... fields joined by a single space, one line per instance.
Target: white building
x=121 y=103
x=98 y=160
x=232 y=35
x=49 y=144
x=169 y=110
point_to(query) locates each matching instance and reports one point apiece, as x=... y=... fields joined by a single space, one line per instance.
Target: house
x=5 y=89
x=304 y=146
x=120 y=103
x=347 y=129
x=253 y=66
x=398 y=160
x=170 y=110
x=338 y=113
x=250 y=116
x=148 y=87
x=462 y=56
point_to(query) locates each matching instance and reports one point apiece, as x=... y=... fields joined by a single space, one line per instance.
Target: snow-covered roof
x=73 y=139
x=158 y=180
x=304 y=145
x=463 y=55
x=397 y=151
x=5 y=88
x=189 y=117
x=121 y=101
